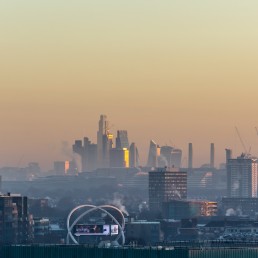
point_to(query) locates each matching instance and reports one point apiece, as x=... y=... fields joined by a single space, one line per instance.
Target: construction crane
x=242 y=142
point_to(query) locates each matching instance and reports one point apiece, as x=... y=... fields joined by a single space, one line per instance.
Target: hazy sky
x=173 y=71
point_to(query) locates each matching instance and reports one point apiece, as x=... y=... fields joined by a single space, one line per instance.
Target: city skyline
x=68 y=152
x=173 y=72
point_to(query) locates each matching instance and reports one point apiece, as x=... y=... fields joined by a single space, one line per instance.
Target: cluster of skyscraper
x=104 y=154
x=165 y=156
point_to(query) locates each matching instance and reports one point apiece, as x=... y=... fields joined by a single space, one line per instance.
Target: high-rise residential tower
x=242 y=177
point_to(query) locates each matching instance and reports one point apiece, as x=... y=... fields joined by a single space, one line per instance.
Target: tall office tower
x=170 y=157
x=212 y=156
x=107 y=146
x=134 y=156
x=119 y=158
x=122 y=139
x=242 y=177
x=165 y=156
x=190 y=156
x=88 y=154
x=14 y=219
x=104 y=142
x=166 y=185
x=154 y=152
x=103 y=128
x=176 y=158
x=228 y=154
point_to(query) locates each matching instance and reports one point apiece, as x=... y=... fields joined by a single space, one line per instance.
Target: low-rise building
x=143 y=232
x=181 y=209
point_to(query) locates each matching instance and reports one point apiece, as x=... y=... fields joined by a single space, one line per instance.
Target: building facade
x=14 y=219
x=119 y=158
x=122 y=139
x=182 y=209
x=165 y=185
x=242 y=177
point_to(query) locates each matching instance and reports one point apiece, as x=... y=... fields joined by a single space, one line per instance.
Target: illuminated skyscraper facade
x=119 y=158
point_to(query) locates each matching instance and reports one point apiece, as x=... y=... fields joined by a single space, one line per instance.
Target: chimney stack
x=190 y=156
x=212 y=156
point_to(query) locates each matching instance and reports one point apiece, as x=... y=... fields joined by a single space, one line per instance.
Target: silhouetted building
x=119 y=158
x=166 y=185
x=134 y=156
x=103 y=125
x=242 y=177
x=14 y=220
x=169 y=157
x=104 y=142
x=165 y=156
x=154 y=153
x=87 y=152
x=107 y=146
x=176 y=157
x=122 y=139
x=182 y=209
x=228 y=154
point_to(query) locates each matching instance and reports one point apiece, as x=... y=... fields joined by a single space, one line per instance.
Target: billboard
x=91 y=230
x=114 y=230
